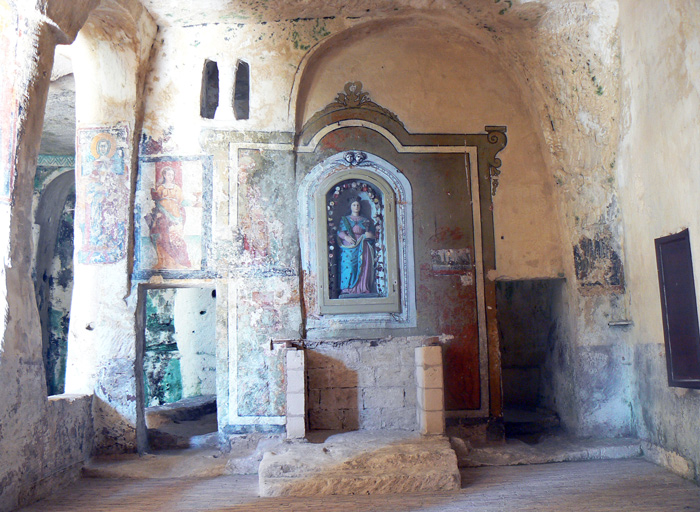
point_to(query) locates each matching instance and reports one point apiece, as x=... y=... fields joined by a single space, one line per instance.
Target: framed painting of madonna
x=356 y=243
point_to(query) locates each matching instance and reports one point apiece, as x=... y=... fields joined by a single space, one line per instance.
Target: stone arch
x=476 y=86
x=51 y=204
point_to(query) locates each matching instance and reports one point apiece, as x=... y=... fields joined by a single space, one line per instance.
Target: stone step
x=559 y=448
x=187 y=409
x=528 y=424
x=187 y=423
x=362 y=462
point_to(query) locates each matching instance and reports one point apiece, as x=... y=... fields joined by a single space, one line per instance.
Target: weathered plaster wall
x=53 y=203
x=195 y=333
x=161 y=359
x=570 y=66
x=658 y=177
x=180 y=344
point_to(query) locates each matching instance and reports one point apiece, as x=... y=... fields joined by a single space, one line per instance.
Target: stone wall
x=61 y=444
x=658 y=176
x=362 y=384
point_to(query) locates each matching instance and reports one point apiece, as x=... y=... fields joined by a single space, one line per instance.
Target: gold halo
x=101 y=136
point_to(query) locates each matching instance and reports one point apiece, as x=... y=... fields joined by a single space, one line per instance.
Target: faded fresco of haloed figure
x=173 y=215
x=356 y=247
x=103 y=200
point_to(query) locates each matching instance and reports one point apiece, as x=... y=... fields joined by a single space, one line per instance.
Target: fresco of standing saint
x=166 y=223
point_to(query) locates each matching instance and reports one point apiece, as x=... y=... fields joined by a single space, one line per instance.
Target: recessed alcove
x=179 y=366
x=527 y=323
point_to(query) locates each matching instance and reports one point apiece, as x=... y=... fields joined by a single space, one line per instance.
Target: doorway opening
x=527 y=320
x=179 y=367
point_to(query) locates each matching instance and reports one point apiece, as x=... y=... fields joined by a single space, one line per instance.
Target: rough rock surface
x=361 y=463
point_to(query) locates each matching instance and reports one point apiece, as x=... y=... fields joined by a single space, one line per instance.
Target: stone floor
x=592 y=486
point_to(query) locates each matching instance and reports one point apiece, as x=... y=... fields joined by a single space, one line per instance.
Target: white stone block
x=420 y=377
x=433 y=400
x=432 y=377
x=295 y=381
x=295 y=404
x=295 y=360
x=296 y=427
x=432 y=423
x=429 y=356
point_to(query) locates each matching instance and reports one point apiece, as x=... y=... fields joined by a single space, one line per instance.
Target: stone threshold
x=550 y=449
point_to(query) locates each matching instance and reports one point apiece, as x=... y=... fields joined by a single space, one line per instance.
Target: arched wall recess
x=448 y=274
x=391 y=301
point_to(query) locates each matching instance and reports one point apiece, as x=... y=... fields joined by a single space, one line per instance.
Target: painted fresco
x=172 y=215
x=263 y=313
x=261 y=205
x=102 y=207
x=9 y=104
x=356 y=245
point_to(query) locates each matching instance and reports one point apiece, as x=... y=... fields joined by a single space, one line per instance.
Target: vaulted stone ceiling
x=58 y=135
x=175 y=12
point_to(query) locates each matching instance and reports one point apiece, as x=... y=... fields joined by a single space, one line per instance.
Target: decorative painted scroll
x=102 y=207
x=173 y=216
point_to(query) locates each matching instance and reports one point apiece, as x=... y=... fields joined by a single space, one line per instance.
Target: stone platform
x=361 y=462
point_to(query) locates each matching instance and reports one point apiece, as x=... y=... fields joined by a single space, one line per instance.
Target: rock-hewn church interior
x=349 y=255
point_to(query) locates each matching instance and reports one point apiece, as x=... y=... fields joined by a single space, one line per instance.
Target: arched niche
x=452 y=178
x=441 y=78
x=391 y=301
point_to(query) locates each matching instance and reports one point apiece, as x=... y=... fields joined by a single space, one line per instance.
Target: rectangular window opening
x=679 y=309
x=241 y=95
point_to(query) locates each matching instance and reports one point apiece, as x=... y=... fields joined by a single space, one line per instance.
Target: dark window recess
x=210 y=90
x=679 y=309
x=241 y=94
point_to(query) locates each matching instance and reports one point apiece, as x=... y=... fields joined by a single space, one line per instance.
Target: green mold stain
x=316 y=32
x=161 y=365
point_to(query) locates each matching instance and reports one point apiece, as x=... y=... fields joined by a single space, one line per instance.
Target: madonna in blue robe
x=356 y=241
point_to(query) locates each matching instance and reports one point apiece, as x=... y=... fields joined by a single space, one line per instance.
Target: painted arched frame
x=357 y=244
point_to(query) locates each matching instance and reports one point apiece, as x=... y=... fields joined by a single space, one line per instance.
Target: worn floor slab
x=551 y=449
x=362 y=462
